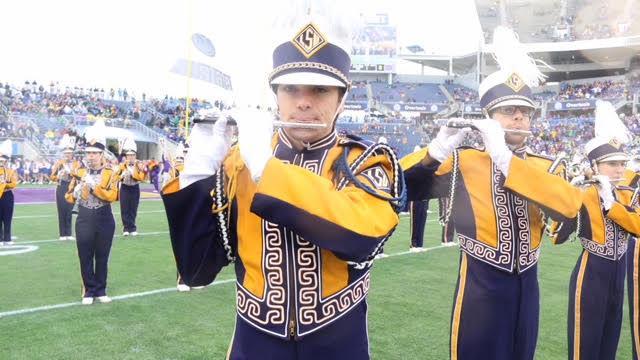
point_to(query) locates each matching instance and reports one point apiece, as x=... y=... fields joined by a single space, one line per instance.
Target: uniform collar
x=326 y=142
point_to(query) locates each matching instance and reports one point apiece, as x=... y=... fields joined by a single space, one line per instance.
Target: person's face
x=313 y=104
x=613 y=169
x=514 y=118
x=130 y=157
x=94 y=157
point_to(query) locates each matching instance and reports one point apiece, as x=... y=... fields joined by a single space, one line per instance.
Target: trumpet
x=213 y=118
x=466 y=123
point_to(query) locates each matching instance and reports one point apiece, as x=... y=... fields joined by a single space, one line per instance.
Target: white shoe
x=9 y=243
x=104 y=299
x=450 y=243
x=126 y=233
x=197 y=287
x=183 y=288
x=87 y=300
x=63 y=238
x=381 y=256
x=70 y=238
x=416 y=249
x=134 y=233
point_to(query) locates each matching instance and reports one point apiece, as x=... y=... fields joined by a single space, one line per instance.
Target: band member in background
x=8 y=181
x=609 y=214
x=94 y=188
x=153 y=167
x=418 y=213
x=130 y=173
x=497 y=198
x=61 y=173
x=631 y=178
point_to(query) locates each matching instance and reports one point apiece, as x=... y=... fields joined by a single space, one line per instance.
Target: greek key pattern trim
x=615 y=245
x=269 y=313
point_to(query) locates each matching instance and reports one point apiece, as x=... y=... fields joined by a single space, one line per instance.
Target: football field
x=409 y=303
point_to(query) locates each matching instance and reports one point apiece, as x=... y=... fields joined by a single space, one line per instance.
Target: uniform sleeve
x=13 y=180
x=425 y=181
x=69 y=195
x=627 y=217
x=349 y=222
x=54 y=171
x=195 y=234
x=139 y=173
x=556 y=197
x=561 y=230
x=107 y=190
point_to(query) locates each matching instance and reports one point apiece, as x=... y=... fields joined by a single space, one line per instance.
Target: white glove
x=493 y=136
x=577 y=180
x=209 y=145
x=446 y=142
x=255 y=131
x=89 y=181
x=77 y=191
x=605 y=191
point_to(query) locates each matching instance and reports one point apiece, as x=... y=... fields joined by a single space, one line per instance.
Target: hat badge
x=615 y=143
x=515 y=82
x=309 y=40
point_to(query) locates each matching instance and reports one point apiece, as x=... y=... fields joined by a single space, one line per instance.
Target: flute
x=595 y=181
x=279 y=124
x=464 y=123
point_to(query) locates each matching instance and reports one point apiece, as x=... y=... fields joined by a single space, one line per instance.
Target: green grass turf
x=410 y=300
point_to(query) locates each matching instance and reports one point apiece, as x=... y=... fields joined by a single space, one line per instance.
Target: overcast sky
x=126 y=43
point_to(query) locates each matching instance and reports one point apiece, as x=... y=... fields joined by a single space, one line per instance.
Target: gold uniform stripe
x=636 y=326
x=457 y=310
x=578 y=294
x=413 y=159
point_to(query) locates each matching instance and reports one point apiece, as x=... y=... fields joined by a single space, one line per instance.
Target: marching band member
x=630 y=179
x=497 y=198
x=130 y=173
x=8 y=181
x=94 y=188
x=61 y=173
x=302 y=212
x=609 y=214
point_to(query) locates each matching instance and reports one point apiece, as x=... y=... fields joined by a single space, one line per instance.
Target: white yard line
x=65 y=241
x=159 y=291
x=56 y=215
x=115 y=298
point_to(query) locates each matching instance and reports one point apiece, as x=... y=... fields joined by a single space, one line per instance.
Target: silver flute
x=279 y=124
x=466 y=123
x=595 y=181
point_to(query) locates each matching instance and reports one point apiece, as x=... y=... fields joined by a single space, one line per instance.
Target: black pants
x=596 y=297
x=346 y=338
x=64 y=209
x=418 y=210
x=129 y=200
x=6 y=215
x=94 y=235
x=495 y=313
